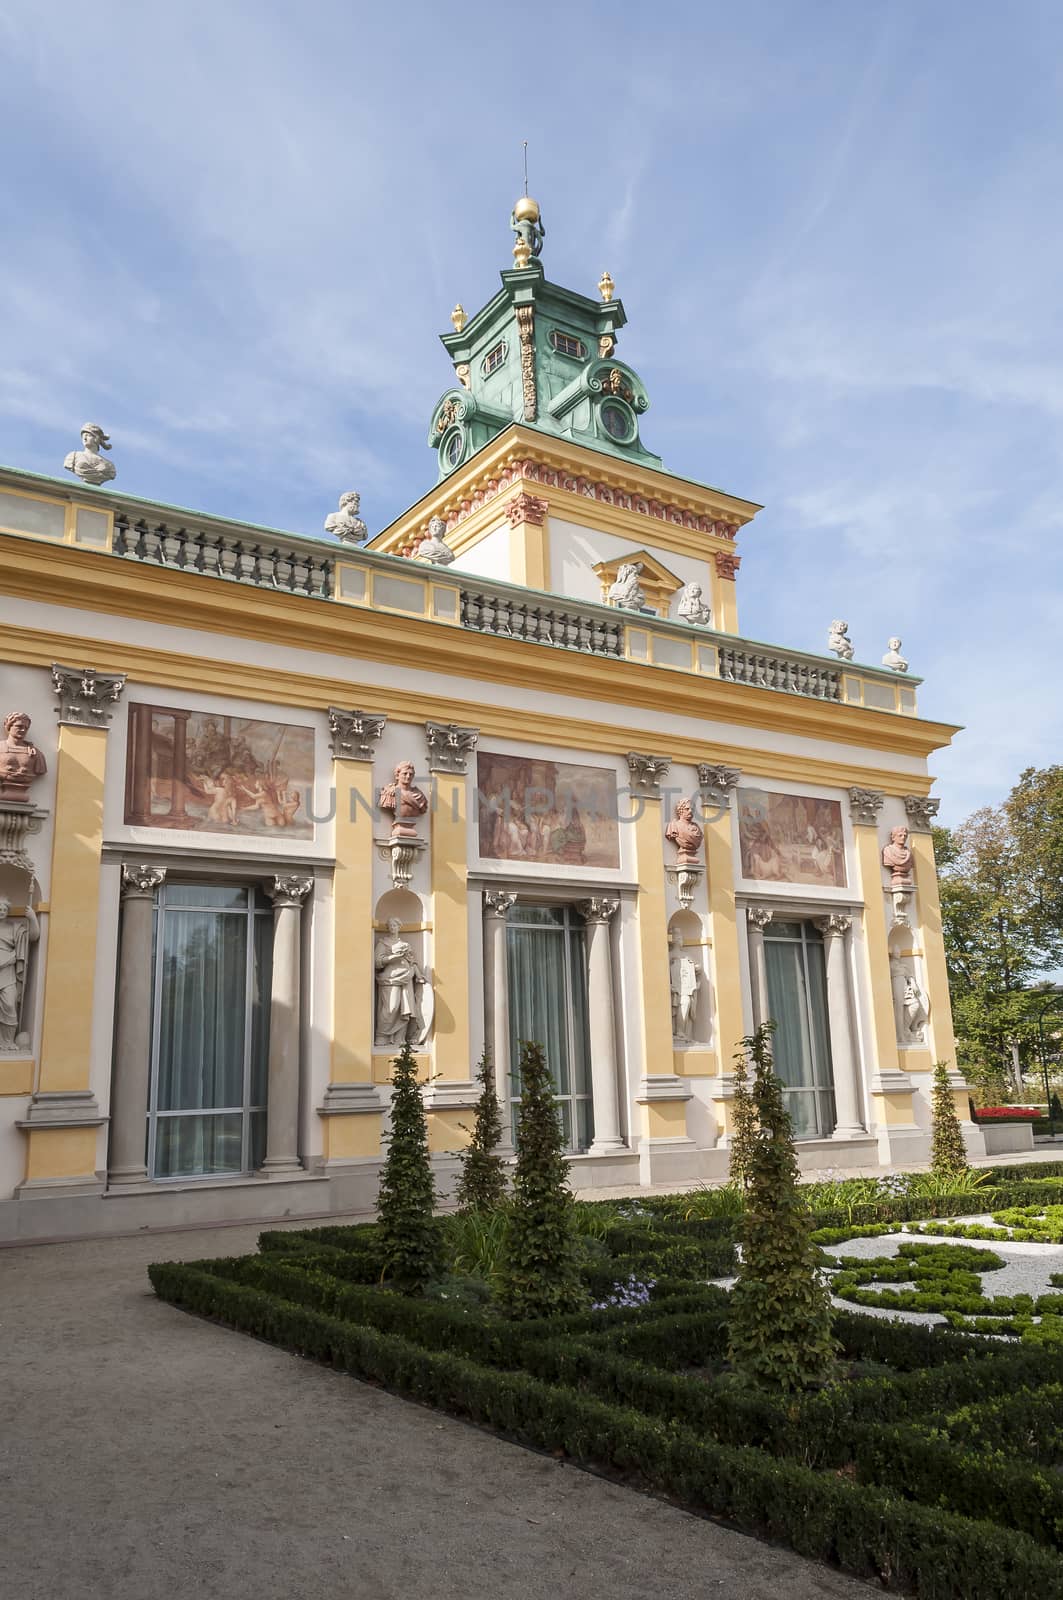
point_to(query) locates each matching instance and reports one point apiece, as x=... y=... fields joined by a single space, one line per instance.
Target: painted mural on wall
x=552 y=812
x=791 y=838
x=208 y=773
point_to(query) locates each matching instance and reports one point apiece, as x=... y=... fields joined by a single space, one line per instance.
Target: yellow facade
x=450 y=921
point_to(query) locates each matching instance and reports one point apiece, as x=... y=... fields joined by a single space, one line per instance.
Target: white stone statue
x=626 y=591
x=916 y=1011
x=692 y=607
x=345 y=524
x=839 y=641
x=87 y=463
x=434 y=546
x=893 y=657
x=404 y=999
x=683 y=980
x=16 y=936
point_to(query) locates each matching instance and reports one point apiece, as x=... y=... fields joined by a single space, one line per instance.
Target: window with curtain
x=547 y=962
x=797 y=1004
x=210 y=1036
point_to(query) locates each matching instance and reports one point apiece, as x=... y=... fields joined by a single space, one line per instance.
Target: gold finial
x=458 y=317
x=606 y=286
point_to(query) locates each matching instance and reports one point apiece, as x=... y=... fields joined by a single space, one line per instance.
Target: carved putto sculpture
x=16 y=936
x=20 y=761
x=345 y=524
x=626 y=591
x=683 y=982
x=87 y=463
x=685 y=833
x=433 y=547
x=404 y=800
x=692 y=607
x=839 y=641
x=403 y=991
x=893 y=657
x=897 y=859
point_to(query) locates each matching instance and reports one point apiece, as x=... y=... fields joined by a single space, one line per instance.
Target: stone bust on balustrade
x=685 y=833
x=434 y=547
x=345 y=524
x=404 y=800
x=87 y=463
x=692 y=607
x=20 y=761
x=897 y=859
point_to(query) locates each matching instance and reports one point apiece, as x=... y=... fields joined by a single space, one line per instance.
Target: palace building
x=271 y=805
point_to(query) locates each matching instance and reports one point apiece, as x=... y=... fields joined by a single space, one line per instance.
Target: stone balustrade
x=219 y=555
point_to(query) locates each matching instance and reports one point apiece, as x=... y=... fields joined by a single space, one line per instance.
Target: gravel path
x=147 y=1455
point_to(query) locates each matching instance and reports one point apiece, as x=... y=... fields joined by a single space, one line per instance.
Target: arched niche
x=688 y=974
x=403 y=996
x=911 y=1006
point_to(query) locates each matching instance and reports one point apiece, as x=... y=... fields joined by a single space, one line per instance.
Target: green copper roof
x=542 y=355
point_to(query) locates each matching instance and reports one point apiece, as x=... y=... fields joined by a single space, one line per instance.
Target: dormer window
x=494 y=358
x=566 y=344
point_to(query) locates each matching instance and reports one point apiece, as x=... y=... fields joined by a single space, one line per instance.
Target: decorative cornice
x=716 y=783
x=85 y=696
x=289 y=890
x=920 y=811
x=834 y=925
x=727 y=565
x=865 y=805
x=646 y=774
x=141 y=881
x=598 y=909
x=524 y=507
x=497 y=903
x=18 y=821
x=355 y=734
x=449 y=746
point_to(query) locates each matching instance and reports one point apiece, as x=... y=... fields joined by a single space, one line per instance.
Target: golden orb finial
x=606 y=286
x=526 y=209
x=458 y=317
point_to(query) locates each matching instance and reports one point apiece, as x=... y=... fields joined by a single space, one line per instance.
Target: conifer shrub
x=780 y=1322
x=948 y=1153
x=408 y=1236
x=540 y=1272
x=743 y=1124
x=482 y=1185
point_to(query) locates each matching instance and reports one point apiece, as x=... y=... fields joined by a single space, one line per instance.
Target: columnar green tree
x=410 y=1241
x=743 y=1123
x=540 y=1274
x=948 y=1153
x=482 y=1185
x=780 y=1317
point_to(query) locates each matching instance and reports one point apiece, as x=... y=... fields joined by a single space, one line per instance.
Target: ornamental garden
x=869 y=1371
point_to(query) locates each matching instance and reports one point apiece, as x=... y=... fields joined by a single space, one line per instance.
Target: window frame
x=578 y=354
x=571 y=923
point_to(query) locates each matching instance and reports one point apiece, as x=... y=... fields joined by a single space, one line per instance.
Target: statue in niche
x=893 y=658
x=683 y=982
x=911 y=1008
x=626 y=591
x=87 y=463
x=16 y=936
x=897 y=859
x=20 y=761
x=685 y=833
x=345 y=524
x=434 y=547
x=839 y=641
x=692 y=607
x=404 y=1001
x=404 y=800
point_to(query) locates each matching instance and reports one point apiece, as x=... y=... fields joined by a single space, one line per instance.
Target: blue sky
x=234 y=231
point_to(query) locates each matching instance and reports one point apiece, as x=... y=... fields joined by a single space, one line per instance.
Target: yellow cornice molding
x=103 y=584
x=467 y=497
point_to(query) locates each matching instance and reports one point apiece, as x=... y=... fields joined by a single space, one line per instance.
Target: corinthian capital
x=86 y=697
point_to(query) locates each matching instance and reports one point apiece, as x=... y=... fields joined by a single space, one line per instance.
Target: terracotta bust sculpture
x=20 y=761
x=404 y=800
x=87 y=463
x=897 y=859
x=684 y=833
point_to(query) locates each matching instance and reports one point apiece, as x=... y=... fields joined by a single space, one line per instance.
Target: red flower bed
x=1008 y=1113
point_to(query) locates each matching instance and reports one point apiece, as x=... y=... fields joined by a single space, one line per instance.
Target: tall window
x=547 y=958
x=210 y=1036
x=797 y=1002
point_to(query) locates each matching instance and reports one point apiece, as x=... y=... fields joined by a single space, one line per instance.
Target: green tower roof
x=540 y=355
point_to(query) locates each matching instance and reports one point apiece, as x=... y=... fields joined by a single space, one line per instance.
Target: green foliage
x=408 y=1237
x=948 y=1154
x=725 y=1200
x=482 y=1184
x=743 y=1125
x=540 y=1274
x=1035 y=812
x=780 y=1310
x=475 y=1241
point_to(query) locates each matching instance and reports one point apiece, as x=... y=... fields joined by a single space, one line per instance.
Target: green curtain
x=797 y=1004
x=547 y=967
